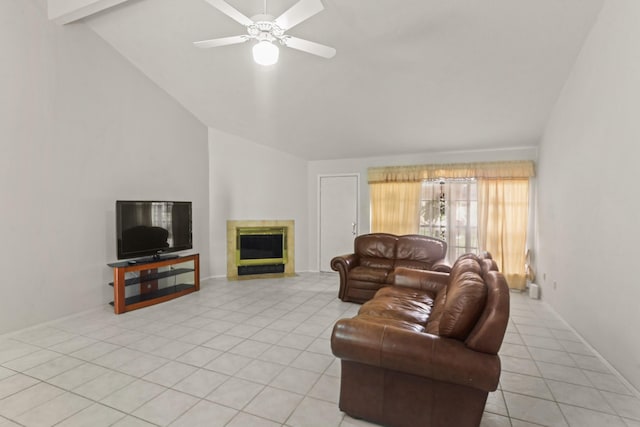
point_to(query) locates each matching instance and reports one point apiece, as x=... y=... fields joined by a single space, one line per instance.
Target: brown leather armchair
x=424 y=352
x=377 y=255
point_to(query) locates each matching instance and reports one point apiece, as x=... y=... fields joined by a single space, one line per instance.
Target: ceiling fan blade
x=230 y=11
x=310 y=47
x=299 y=12
x=224 y=41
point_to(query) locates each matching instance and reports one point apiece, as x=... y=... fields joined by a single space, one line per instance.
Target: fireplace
x=258 y=248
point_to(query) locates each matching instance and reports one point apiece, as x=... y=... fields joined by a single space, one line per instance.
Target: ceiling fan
x=268 y=31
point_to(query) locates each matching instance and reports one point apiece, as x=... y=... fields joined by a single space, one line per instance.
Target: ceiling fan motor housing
x=264 y=28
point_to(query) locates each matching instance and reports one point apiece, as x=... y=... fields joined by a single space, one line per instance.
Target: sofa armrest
x=419 y=279
x=441 y=266
x=343 y=264
x=416 y=353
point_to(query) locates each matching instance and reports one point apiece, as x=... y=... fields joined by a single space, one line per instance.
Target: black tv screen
x=146 y=228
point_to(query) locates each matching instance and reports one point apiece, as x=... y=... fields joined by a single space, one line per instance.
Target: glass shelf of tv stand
x=155 y=276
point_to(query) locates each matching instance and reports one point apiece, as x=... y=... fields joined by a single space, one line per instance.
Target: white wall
x=588 y=197
x=80 y=128
x=249 y=181
x=360 y=166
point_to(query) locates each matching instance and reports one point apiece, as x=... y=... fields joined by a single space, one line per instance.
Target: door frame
x=319 y=204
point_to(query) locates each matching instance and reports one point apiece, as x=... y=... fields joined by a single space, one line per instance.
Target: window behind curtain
x=449 y=211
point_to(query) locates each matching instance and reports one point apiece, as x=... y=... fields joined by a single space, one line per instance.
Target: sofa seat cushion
x=395 y=323
x=405 y=308
x=407 y=295
x=370 y=274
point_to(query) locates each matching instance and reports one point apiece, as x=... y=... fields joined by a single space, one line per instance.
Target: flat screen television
x=151 y=228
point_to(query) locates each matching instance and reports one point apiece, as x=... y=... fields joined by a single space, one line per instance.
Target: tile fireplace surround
x=232 y=229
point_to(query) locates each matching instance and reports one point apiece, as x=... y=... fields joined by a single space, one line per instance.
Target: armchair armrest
x=416 y=353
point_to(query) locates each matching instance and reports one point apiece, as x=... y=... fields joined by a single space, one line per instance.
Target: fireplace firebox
x=261 y=250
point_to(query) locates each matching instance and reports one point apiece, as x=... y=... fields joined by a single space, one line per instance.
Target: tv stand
x=152 y=277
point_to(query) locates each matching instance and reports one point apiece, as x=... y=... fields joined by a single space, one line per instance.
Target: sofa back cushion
x=419 y=252
x=376 y=250
x=489 y=331
x=459 y=306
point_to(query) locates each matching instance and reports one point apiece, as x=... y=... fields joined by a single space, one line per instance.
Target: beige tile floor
x=257 y=353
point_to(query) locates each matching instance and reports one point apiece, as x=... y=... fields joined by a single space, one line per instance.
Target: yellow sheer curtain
x=395 y=207
x=503 y=209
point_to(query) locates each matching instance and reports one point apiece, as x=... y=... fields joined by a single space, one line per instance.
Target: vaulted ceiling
x=409 y=76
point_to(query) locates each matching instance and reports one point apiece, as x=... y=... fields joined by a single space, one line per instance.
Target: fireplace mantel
x=232 y=235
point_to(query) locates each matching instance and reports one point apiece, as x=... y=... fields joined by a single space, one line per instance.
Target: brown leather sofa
x=377 y=255
x=424 y=351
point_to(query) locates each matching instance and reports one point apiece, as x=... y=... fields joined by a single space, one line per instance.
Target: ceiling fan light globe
x=265 y=53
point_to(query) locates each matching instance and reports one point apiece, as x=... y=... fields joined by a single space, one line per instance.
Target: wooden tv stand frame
x=149 y=292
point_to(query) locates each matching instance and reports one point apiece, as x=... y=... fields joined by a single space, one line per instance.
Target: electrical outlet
x=544 y=276
x=555 y=285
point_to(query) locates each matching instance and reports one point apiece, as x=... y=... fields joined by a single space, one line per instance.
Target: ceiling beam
x=67 y=11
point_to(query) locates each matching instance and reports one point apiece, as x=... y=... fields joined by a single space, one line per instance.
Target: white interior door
x=338 y=205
